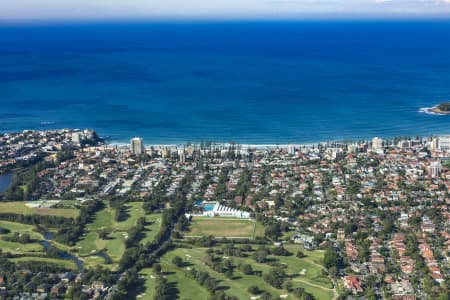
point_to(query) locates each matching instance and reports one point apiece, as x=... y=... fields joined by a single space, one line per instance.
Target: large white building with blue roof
x=216 y=209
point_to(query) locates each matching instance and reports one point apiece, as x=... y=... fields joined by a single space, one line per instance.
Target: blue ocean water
x=252 y=82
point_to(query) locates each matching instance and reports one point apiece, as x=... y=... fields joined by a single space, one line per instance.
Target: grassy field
x=69 y=264
x=152 y=228
x=181 y=286
x=224 y=227
x=18 y=248
x=105 y=218
x=91 y=243
x=237 y=287
x=114 y=245
x=20 y=208
x=21 y=228
x=149 y=286
x=305 y=273
x=30 y=248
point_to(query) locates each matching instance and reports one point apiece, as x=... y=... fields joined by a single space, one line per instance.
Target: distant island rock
x=443 y=108
x=440 y=109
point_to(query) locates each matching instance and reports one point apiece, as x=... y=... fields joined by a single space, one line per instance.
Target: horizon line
x=230 y=19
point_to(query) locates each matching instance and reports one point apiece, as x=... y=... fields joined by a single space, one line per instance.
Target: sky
x=161 y=9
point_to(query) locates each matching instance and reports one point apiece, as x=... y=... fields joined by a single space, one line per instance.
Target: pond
x=105 y=256
x=5 y=181
x=62 y=254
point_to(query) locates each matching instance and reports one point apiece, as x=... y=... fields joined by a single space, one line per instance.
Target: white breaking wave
x=429 y=111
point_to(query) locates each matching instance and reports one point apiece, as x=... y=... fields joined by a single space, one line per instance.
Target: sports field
x=225 y=227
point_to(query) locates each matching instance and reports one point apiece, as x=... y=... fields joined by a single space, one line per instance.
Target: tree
x=349 y=228
x=161 y=289
x=177 y=261
x=444 y=296
x=388 y=226
x=275 y=277
x=272 y=231
x=103 y=234
x=254 y=290
x=370 y=294
x=300 y=254
x=129 y=258
x=156 y=268
x=280 y=251
x=260 y=255
x=25 y=238
x=120 y=214
x=229 y=273
x=210 y=283
x=331 y=259
x=76 y=293
x=298 y=292
x=246 y=269
x=228 y=264
x=288 y=286
x=266 y=296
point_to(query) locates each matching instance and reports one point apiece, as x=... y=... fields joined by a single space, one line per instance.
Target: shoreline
x=254 y=145
x=225 y=144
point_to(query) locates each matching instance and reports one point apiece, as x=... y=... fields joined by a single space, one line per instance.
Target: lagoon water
x=252 y=82
x=5 y=181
